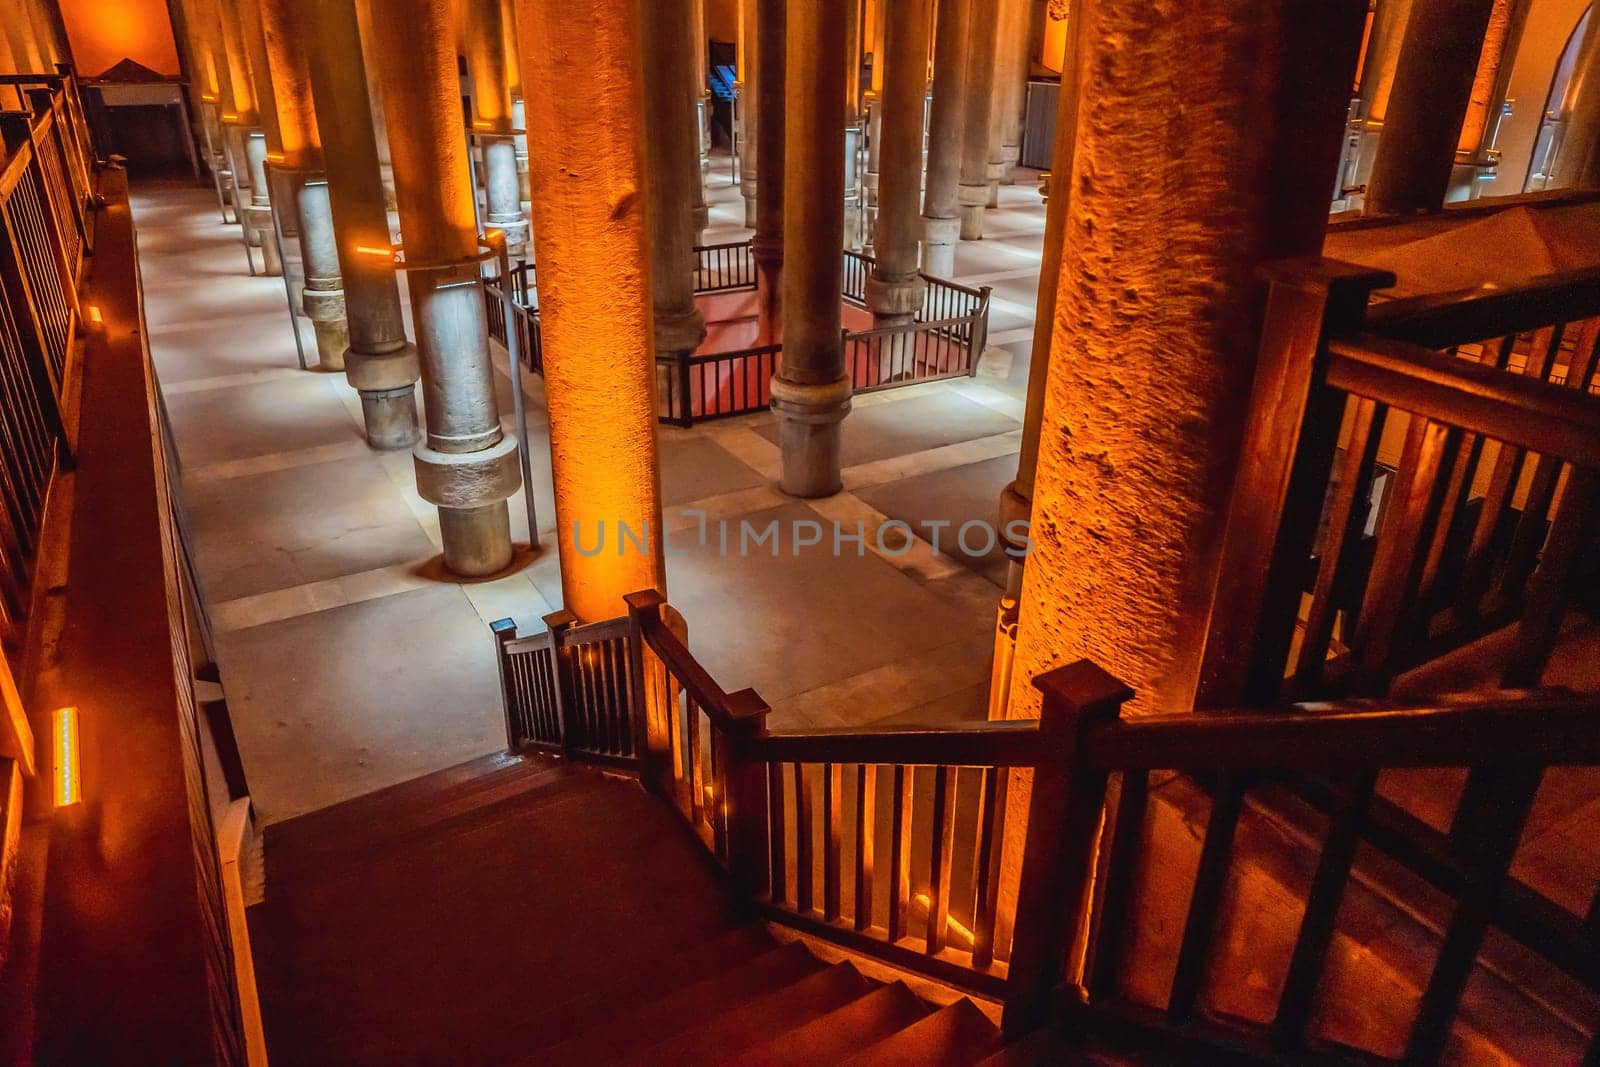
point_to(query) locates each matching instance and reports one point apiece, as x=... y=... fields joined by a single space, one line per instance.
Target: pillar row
x=492 y=122
x=379 y=363
x=465 y=465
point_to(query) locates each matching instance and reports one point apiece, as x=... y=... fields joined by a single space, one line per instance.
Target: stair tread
x=752 y=1019
x=954 y=1036
x=831 y=1037
x=672 y=1014
x=1045 y=1045
x=678 y=966
x=327 y=828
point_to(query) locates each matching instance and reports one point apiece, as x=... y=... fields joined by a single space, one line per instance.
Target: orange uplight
x=209 y=98
x=230 y=116
x=374 y=250
x=965 y=936
x=68 y=782
x=94 y=314
x=276 y=157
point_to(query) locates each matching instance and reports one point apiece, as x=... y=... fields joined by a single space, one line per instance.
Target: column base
x=325 y=309
x=1010 y=154
x=750 y=211
x=808 y=434
x=939 y=246
x=477 y=541
x=994 y=174
x=257 y=219
x=470 y=490
x=702 y=218
x=517 y=231
x=387 y=384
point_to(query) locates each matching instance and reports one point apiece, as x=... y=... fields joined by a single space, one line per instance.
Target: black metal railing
x=857 y=268
x=717 y=385
x=524 y=314
x=724 y=267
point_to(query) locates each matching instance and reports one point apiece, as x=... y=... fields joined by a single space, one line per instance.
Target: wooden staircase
x=522 y=909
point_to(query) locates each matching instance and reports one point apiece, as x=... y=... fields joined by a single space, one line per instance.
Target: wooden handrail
x=967 y=744
x=1533 y=414
x=1441 y=320
x=723 y=707
x=1357 y=736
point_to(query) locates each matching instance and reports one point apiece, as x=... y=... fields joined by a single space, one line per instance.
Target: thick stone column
x=854 y=127
x=872 y=108
x=1427 y=104
x=239 y=117
x=977 y=125
x=1011 y=86
x=672 y=157
x=519 y=119
x=594 y=296
x=256 y=216
x=492 y=122
x=1577 y=164
x=466 y=465
x=767 y=245
x=379 y=363
x=941 y=206
x=895 y=288
x=748 y=91
x=253 y=51
x=811 y=392
x=286 y=44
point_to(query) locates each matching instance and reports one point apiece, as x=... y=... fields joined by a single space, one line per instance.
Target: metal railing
x=46 y=229
x=724 y=267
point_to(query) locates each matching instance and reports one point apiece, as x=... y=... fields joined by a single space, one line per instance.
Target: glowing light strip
x=950 y=921
x=68 y=782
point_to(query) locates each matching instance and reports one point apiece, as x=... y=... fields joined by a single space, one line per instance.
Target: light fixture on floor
x=68 y=778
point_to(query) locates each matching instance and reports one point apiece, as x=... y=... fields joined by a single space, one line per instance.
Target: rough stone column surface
x=767 y=246
x=895 y=288
x=977 y=124
x=941 y=205
x=1156 y=321
x=1578 y=161
x=811 y=393
x=1427 y=105
x=672 y=158
x=749 y=92
x=465 y=466
x=589 y=222
x=380 y=364
x=1011 y=73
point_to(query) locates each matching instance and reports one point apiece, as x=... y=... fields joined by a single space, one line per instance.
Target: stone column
x=1428 y=101
x=492 y=122
x=466 y=465
x=239 y=117
x=594 y=296
x=767 y=245
x=519 y=117
x=380 y=121
x=701 y=97
x=1011 y=85
x=257 y=215
x=872 y=104
x=748 y=91
x=380 y=364
x=941 y=208
x=1577 y=164
x=895 y=288
x=253 y=48
x=854 y=126
x=286 y=45
x=672 y=161
x=811 y=392
x=977 y=125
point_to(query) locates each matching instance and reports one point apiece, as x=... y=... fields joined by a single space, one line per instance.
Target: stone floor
x=351 y=662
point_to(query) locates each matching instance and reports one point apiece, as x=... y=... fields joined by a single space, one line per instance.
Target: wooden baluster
x=1551 y=589
x=692 y=765
x=1388 y=612
x=944 y=829
x=804 y=900
x=1125 y=837
x=1064 y=808
x=866 y=832
x=900 y=852
x=1346 y=522
x=717 y=752
x=556 y=626
x=777 y=835
x=1205 y=899
x=832 y=812
x=1322 y=910
x=986 y=868
x=505 y=631
x=1490 y=850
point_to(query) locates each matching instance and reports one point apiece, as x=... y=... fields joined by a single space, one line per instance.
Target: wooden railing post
x=978 y=335
x=558 y=623
x=655 y=764
x=744 y=791
x=1290 y=439
x=1058 y=851
x=505 y=632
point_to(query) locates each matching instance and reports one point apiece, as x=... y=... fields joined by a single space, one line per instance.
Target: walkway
x=352 y=663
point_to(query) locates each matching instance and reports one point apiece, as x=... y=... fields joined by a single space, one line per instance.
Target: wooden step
x=1048 y=1045
x=882 y=1013
x=754 y=1020
x=688 y=1007
x=954 y=1036
x=674 y=966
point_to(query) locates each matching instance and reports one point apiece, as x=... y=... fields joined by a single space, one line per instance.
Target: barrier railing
x=46 y=229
